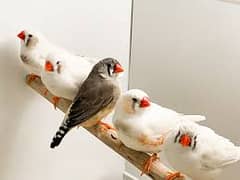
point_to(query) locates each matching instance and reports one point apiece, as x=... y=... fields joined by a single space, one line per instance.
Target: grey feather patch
x=95 y=94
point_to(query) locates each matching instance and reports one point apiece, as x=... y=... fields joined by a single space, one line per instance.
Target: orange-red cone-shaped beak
x=48 y=66
x=118 y=68
x=21 y=35
x=145 y=102
x=185 y=140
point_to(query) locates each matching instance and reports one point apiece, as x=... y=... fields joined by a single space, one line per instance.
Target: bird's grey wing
x=89 y=102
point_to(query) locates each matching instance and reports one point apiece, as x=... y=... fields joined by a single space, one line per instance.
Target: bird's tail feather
x=194 y=118
x=62 y=131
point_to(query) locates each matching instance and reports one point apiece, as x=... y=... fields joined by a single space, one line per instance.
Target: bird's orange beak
x=118 y=68
x=48 y=66
x=145 y=102
x=21 y=35
x=185 y=140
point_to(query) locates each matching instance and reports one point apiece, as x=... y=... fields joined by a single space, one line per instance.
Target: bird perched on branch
x=142 y=125
x=33 y=50
x=198 y=151
x=64 y=73
x=95 y=99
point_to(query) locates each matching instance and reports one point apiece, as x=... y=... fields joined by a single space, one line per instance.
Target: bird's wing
x=194 y=118
x=169 y=113
x=90 y=100
x=219 y=152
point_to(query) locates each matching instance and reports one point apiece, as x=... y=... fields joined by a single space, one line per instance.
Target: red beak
x=145 y=102
x=48 y=66
x=21 y=35
x=185 y=140
x=118 y=68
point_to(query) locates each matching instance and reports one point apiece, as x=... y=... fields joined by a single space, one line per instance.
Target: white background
x=186 y=56
x=27 y=121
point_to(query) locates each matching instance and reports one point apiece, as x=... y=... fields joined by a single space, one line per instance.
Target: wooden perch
x=158 y=170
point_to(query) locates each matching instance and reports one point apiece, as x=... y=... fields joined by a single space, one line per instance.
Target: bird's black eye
x=134 y=99
x=58 y=62
x=109 y=66
x=30 y=35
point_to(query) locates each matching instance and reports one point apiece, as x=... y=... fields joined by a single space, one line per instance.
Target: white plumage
x=141 y=128
x=142 y=125
x=206 y=154
x=34 y=49
x=66 y=74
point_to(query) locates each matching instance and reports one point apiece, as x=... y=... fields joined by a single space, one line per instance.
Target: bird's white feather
x=34 y=55
x=74 y=70
x=195 y=118
x=212 y=152
x=153 y=121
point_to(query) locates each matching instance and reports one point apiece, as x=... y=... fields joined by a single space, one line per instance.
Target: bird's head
x=185 y=135
x=135 y=100
x=108 y=68
x=53 y=65
x=28 y=39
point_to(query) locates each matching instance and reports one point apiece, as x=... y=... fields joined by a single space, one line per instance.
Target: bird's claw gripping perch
x=173 y=176
x=45 y=91
x=31 y=78
x=148 y=164
x=55 y=100
x=105 y=127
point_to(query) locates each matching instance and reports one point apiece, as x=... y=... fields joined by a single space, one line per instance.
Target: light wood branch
x=158 y=170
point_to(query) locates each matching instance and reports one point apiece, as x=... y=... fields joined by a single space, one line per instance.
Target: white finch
x=142 y=125
x=95 y=99
x=198 y=151
x=64 y=73
x=33 y=50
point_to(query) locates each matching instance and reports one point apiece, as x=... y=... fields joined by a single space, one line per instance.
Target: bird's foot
x=148 y=164
x=105 y=127
x=175 y=175
x=31 y=78
x=55 y=100
x=45 y=91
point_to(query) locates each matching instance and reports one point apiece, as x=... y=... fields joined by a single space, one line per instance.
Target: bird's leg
x=105 y=127
x=148 y=164
x=172 y=176
x=55 y=100
x=32 y=77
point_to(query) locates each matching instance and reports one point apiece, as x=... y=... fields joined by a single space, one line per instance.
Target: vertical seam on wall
x=130 y=44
